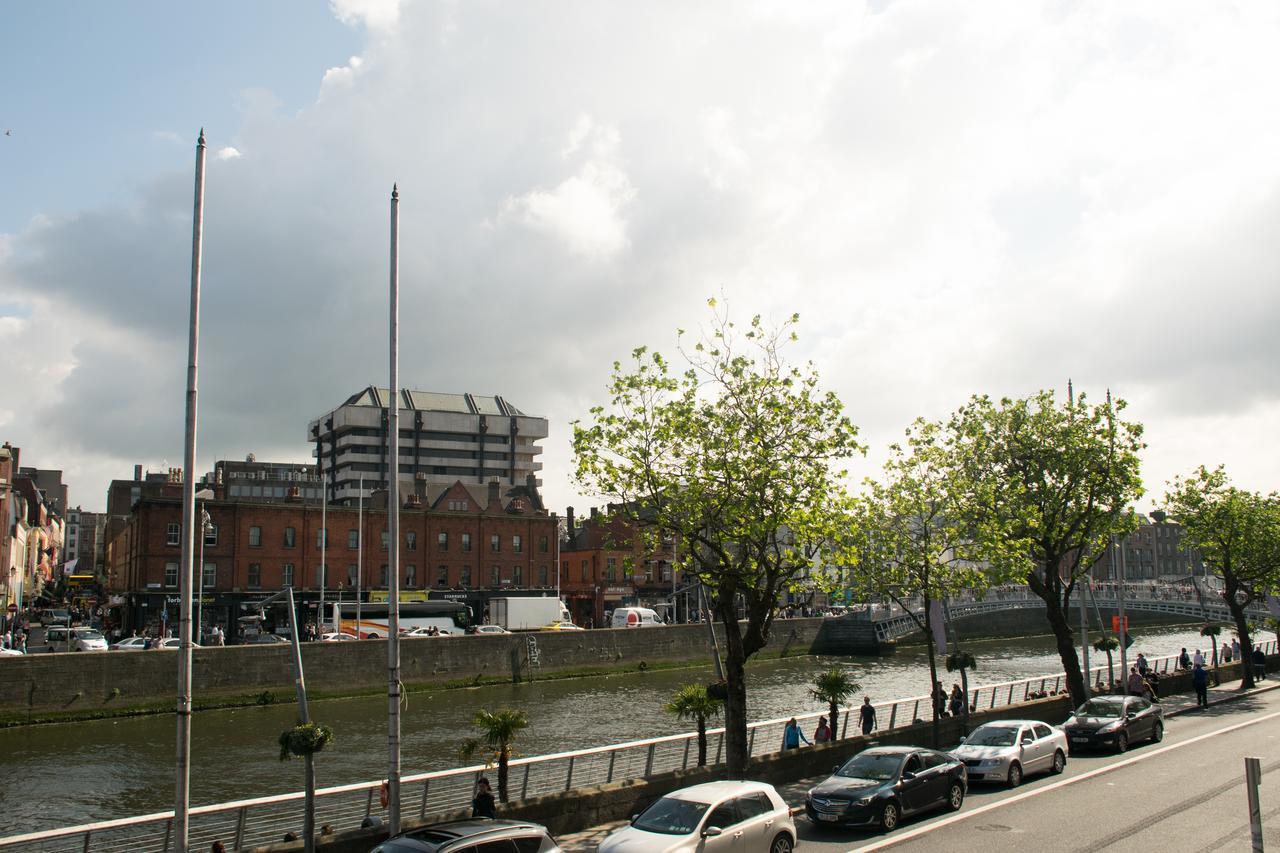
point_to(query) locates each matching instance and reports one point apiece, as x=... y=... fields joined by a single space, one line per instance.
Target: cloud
x=956 y=199
x=228 y=153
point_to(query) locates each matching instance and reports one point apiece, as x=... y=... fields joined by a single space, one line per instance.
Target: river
x=69 y=773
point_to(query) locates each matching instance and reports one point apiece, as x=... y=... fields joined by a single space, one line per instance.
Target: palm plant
x=833 y=687
x=498 y=730
x=691 y=702
x=1212 y=631
x=1108 y=644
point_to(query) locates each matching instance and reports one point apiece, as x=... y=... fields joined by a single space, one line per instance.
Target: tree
x=1238 y=536
x=916 y=541
x=1212 y=631
x=691 y=702
x=498 y=730
x=833 y=687
x=737 y=456
x=1052 y=485
x=962 y=661
x=1108 y=644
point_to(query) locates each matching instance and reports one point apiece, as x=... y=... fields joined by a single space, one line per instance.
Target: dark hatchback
x=877 y=787
x=478 y=835
x=1114 y=722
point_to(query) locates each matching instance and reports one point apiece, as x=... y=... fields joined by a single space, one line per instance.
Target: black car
x=488 y=835
x=879 y=786
x=1114 y=722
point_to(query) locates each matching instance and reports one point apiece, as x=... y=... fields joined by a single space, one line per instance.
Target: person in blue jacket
x=1200 y=681
x=791 y=736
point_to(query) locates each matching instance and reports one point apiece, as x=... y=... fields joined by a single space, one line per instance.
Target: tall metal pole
x=199 y=602
x=1084 y=630
x=182 y=793
x=393 y=501
x=1124 y=628
x=324 y=538
x=359 y=552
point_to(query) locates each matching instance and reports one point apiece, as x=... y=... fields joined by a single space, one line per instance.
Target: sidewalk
x=794 y=792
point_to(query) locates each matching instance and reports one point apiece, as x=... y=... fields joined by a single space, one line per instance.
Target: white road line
x=959 y=816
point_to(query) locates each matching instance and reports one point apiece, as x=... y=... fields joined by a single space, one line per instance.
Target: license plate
x=829 y=817
x=1079 y=740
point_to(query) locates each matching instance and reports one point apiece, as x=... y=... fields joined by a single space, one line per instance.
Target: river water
x=70 y=773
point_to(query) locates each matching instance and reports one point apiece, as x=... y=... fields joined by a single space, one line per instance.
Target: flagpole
x=393 y=507
x=182 y=794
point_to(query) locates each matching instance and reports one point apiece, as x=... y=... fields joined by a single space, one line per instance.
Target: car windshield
x=1099 y=708
x=89 y=634
x=869 y=765
x=992 y=736
x=670 y=816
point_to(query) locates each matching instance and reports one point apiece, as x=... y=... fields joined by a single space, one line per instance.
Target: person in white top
x=1198 y=660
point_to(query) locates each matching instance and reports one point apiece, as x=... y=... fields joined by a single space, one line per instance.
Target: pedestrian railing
x=247 y=823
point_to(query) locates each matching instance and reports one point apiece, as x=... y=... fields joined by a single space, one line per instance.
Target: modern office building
x=444 y=439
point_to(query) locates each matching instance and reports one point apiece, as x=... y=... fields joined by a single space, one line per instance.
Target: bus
x=450 y=617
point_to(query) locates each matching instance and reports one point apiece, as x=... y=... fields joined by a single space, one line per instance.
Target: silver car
x=715 y=817
x=1007 y=750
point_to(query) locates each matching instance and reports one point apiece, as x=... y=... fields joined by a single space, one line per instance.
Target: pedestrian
x=1184 y=659
x=1200 y=681
x=1225 y=654
x=484 y=804
x=1259 y=663
x=957 y=700
x=939 y=700
x=867 y=715
x=822 y=734
x=791 y=736
x=1197 y=659
x=1235 y=648
x=1136 y=682
x=1142 y=664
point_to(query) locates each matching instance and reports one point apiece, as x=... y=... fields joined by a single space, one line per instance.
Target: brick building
x=604 y=565
x=465 y=542
x=1152 y=552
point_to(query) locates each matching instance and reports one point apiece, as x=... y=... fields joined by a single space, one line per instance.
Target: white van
x=635 y=617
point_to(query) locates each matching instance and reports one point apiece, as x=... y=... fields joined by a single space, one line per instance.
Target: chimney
x=568 y=516
x=420 y=486
x=414 y=501
x=493 y=492
x=137 y=473
x=595 y=513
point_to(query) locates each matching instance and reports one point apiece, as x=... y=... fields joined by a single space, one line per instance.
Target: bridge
x=893 y=623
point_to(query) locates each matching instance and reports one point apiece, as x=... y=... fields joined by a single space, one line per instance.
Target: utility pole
x=393 y=501
x=182 y=794
x=324 y=536
x=359 y=552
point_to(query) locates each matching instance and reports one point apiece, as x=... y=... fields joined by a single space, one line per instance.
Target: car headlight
x=992 y=762
x=1109 y=727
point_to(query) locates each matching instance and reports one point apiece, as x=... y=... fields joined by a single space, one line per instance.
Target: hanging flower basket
x=304 y=740
x=960 y=660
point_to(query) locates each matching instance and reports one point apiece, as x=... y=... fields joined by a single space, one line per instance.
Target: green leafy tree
x=498 y=731
x=962 y=662
x=1212 y=632
x=833 y=687
x=691 y=702
x=738 y=456
x=916 y=541
x=1108 y=644
x=1238 y=536
x=1052 y=484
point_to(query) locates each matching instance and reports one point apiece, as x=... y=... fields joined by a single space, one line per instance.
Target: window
x=322 y=538
x=724 y=815
x=411 y=577
x=386 y=540
x=442 y=576
x=170 y=574
x=465 y=578
x=255 y=537
x=411 y=541
x=353 y=540
x=255 y=575
x=382 y=575
x=542 y=545
x=442 y=541
x=517 y=576
x=353 y=572
x=466 y=542
x=495 y=543
x=586 y=571
x=286 y=575
x=754 y=805
x=495 y=576
x=210 y=579
x=610 y=566
x=173 y=535
x=517 y=544
x=211 y=534
x=290 y=539
x=542 y=575
x=1042 y=731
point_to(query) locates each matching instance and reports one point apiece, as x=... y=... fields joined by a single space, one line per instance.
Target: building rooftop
x=432 y=401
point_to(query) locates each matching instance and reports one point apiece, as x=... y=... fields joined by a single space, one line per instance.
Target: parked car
x=487 y=629
x=171 y=643
x=1114 y=722
x=427 y=631
x=130 y=644
x=8 y=652
x=477 y=834
x=709 y=818
x=337 y=637
x=54 y=617
x=880 y=786
x=562 y=626
x=1006 y=750
x=60 y=638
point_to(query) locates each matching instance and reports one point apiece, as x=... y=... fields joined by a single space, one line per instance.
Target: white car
x=7 y=652
x=1007 y=750
x=337 y=637
x=172 y=643
x=130 y=644
x=715 y=817
x=489 y=629
x=60 y=639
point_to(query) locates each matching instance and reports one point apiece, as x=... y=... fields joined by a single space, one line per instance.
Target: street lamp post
x=205 y=523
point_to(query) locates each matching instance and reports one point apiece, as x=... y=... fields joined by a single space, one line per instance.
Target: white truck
x=526 y=614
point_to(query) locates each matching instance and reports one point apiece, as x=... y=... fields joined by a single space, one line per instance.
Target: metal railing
x=246 y=823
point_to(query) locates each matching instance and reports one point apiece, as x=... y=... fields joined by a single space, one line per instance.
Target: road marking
x=1016 y=798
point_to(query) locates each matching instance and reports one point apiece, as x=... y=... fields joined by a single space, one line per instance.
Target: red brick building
x=604 y=565
x=465 y=542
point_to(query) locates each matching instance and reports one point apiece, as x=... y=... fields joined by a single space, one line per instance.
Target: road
x=1184 y=794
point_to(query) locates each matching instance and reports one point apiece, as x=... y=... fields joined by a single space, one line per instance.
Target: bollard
x=1252 y=779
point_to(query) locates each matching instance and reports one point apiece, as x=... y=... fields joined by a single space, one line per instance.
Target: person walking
x=1142 y=664
x=791 y=736
x=1136 y=683
x=1200 y=681
x=483 y=805
x=1235 y=648
x=1259 y=663
x=867 y=715
x=822 y=734
x=939 y=700
x=1225 y=654
x=957 y=700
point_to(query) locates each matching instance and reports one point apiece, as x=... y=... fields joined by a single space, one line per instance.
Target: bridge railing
x=251 y=822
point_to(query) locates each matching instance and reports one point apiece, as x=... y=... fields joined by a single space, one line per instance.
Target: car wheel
x=781 y=843
x=1122 y=742
x=889 y=816
x=1059 y=763
x=955 y=796
x=1015 y=775
x=1157 y=733
x=371 y=636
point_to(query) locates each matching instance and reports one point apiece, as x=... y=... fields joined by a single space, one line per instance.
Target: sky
x=956 y=198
